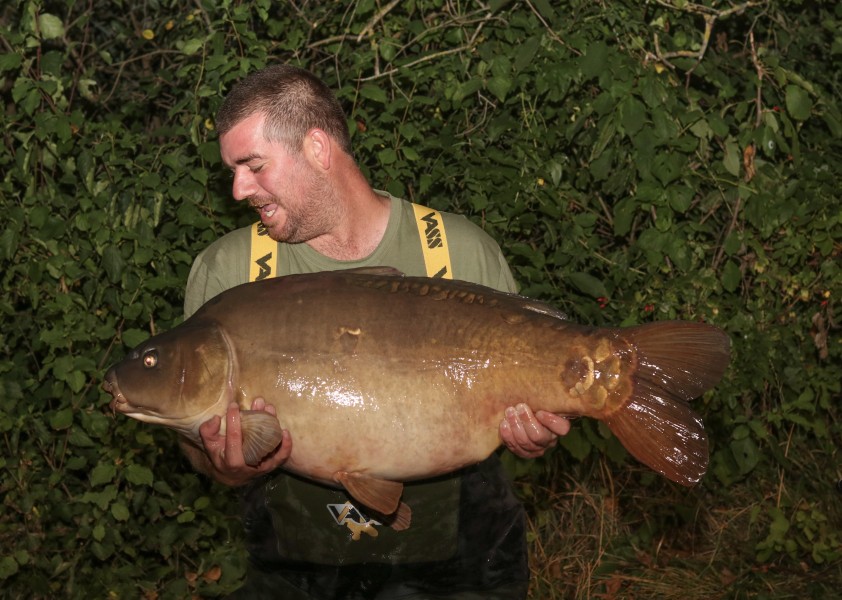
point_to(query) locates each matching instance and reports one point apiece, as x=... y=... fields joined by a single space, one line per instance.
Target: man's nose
x=243 y=186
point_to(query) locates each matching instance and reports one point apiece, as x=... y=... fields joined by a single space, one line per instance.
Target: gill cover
x=176 y=375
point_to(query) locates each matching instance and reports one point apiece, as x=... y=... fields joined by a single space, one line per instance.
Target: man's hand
x=529 y=434
x=226 y=451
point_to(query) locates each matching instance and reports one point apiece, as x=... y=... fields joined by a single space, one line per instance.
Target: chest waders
x=435 y=555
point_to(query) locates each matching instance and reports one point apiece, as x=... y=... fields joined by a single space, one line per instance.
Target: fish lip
x=118 y=400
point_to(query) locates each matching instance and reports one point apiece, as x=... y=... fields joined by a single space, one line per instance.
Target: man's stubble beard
x=317 y=215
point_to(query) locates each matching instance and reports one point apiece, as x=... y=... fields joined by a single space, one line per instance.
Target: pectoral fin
x=261 y=434
x=381 y=495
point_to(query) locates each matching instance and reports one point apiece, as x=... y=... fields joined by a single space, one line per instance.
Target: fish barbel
x=382 y=378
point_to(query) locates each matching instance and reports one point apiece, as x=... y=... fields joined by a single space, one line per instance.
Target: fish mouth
x=118 y=402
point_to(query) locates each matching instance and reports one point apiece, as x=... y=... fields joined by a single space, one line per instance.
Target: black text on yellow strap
x=433 y=242
x=263 y=262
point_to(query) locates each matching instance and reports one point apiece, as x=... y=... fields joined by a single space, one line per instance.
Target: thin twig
x=549 y=29
x=710 y=15
x=759 y=68
x=369 y=27
x=419 y=61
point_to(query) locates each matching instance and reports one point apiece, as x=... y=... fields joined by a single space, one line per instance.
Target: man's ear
x=318 y=147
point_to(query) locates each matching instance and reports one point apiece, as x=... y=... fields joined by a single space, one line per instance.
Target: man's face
x=293 y=199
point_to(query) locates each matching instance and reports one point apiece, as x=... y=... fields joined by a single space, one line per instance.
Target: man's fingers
x=233 y=451
x=210 y=428
x=556 y=424
x=226 y=451
x=280 y=456
x=529 y=436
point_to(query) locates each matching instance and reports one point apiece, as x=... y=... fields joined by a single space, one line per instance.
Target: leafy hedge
x=636 y=161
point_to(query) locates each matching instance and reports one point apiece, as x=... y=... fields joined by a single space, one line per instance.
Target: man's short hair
x=293 y=100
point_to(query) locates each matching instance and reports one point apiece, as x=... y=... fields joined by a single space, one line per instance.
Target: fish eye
x=150 y=359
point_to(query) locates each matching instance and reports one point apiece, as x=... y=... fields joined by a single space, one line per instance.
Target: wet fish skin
x=382 y=378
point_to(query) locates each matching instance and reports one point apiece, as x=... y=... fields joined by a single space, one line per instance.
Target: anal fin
x=261 y=434
x=381 y=495
x=401 y=519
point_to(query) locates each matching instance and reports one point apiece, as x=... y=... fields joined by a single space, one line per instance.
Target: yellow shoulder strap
x=433 y=242
x=263 y=262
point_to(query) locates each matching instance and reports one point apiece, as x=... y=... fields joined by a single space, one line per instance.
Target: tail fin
x=677 y=361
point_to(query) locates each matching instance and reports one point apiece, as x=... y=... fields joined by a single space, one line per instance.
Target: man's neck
x=363 y=225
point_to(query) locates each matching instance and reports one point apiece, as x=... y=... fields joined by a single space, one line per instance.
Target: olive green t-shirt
x=321 y=525
x=475 y=257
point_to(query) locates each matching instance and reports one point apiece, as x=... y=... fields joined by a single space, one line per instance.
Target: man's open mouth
x=266 y=210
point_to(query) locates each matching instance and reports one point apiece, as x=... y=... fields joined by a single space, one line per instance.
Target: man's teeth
x=269 y=213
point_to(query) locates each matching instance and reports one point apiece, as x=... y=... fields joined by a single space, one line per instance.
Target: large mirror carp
x=382 y=378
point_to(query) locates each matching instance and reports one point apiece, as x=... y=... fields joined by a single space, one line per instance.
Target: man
x=284 y=137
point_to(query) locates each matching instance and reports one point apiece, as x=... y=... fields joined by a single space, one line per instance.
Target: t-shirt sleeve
x=220 y=266
x=475 y=256
x=202 y=285
x=505 y=281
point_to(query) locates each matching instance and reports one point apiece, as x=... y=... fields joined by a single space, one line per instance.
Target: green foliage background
x=635 y=160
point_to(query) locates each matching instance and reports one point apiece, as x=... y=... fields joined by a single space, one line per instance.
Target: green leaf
x=632 y=115
x=62 y=419
x=798 y=103
x=668 y=167
x=10 y=61
x=186 y=517
x=103 y=473
x=101 y=499
x=595 y=59
x=731 y=276
x=50 y=26
x=576 y=443
x=731 y=161
x=624 y=212
x=102 y=551
x=373 y=92
x=98 y=532
x=545 y=8
x=499 y=86
x=192 y=46
x=387 y=156
x=76 y=380
x=588 y=284
x=119 y=511
x=138 y=475
x=77 y=437
x=601 y=167
x=680 y=198
x=526 y=53
x=8 y=567
x=113 y=263
x=466 y=88
x=134 y=337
